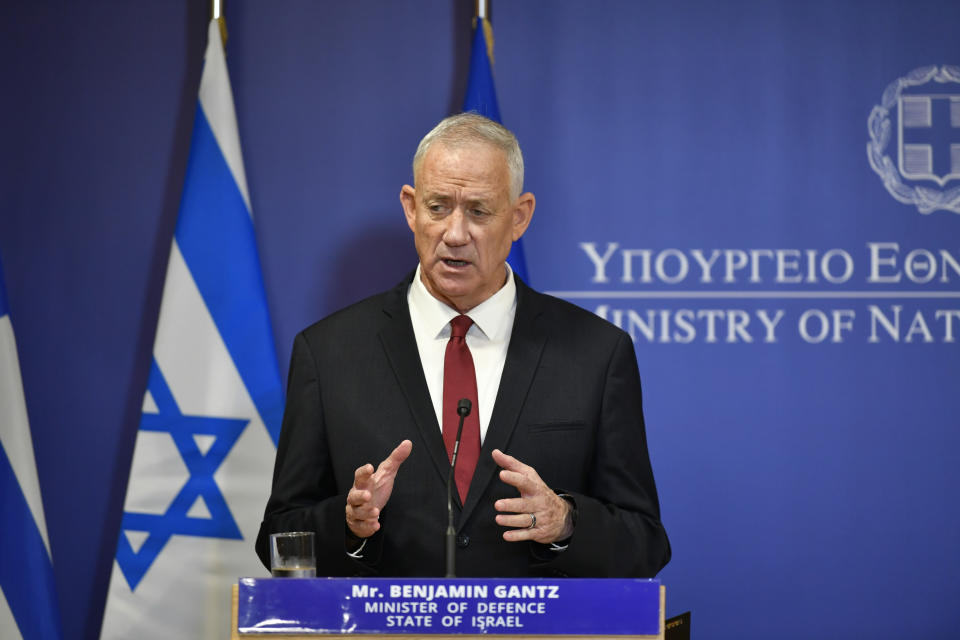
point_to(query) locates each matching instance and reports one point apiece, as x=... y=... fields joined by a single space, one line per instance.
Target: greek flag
x=28 y=601
x=481 y=97
x=202 y=463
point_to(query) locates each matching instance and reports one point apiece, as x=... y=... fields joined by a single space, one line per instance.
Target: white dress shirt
x=487 y=338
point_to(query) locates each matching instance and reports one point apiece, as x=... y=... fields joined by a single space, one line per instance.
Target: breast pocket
x=560 y=425
x=560 y=451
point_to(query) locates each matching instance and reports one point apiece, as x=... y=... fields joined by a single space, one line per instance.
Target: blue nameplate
x=593 y=607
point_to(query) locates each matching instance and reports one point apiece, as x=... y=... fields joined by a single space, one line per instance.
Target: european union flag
x=482 y=98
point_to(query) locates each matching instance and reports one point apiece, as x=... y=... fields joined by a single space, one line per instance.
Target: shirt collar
x=490 y=316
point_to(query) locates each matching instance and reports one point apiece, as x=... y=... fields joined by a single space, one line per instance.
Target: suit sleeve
x=305 y=495
x=618 y=531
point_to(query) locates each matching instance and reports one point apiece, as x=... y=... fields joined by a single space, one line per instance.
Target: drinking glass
x=292 y=555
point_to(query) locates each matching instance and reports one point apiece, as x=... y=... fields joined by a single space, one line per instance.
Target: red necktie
x=460 y=381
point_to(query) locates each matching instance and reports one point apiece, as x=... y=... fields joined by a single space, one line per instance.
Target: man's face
x=464 y=221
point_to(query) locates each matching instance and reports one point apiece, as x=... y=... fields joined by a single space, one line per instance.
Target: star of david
x=200 y=484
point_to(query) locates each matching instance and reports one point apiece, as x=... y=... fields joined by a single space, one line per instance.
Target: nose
x=456 y=233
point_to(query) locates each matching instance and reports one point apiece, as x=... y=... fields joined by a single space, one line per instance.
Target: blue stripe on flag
x=482 y=97
x=215 y=234
x=26 y=574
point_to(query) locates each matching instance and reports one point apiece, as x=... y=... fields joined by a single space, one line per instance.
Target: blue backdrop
x=704 y=179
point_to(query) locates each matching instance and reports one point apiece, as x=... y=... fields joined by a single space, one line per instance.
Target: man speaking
x=552 y=477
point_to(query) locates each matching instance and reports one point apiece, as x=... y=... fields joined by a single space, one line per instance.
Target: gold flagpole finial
x=482 y=20
x=488 y=34
x=216 y=13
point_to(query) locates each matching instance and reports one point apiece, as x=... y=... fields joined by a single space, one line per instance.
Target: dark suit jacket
x=568 y=405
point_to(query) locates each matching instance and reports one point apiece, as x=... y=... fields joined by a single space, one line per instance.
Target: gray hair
x=471 y=127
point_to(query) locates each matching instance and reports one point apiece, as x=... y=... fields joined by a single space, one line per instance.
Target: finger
x=396 y=457
x=362 y=475
x=521 y=481
x=357 y=497
x=401 y=452
x=517 y=521
x=544 y=533
x=508 y=462
x=513 y=505
x=361 y=502
x=519 y=535
x=360 y=521
x=365 y=511
x=363 y=528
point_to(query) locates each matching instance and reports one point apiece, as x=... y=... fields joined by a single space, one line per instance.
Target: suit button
x=463 y=541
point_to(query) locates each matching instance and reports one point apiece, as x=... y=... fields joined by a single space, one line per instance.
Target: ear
x=408 y=198
x=522 y=214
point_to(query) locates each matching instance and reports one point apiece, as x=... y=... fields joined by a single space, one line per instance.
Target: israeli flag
x=28 y=601
x=202 y=464
x=481 y=97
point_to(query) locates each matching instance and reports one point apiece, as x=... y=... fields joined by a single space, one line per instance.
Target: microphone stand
x=463 y=410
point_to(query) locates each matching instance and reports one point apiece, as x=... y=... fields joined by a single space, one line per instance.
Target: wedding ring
x=533 y=521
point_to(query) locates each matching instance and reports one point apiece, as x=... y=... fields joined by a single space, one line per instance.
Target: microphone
x=463 y=410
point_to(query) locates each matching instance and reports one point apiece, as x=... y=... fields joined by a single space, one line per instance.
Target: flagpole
x=482 y=20
x=213 y=399
x=216 y=13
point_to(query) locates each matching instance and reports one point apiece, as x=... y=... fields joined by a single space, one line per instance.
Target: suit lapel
x=401 y=349
x=523 y=356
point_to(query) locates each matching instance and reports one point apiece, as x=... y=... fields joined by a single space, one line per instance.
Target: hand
x=371 y=490
x=554 y=519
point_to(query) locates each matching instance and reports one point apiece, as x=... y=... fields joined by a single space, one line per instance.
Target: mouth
x=455 y=263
